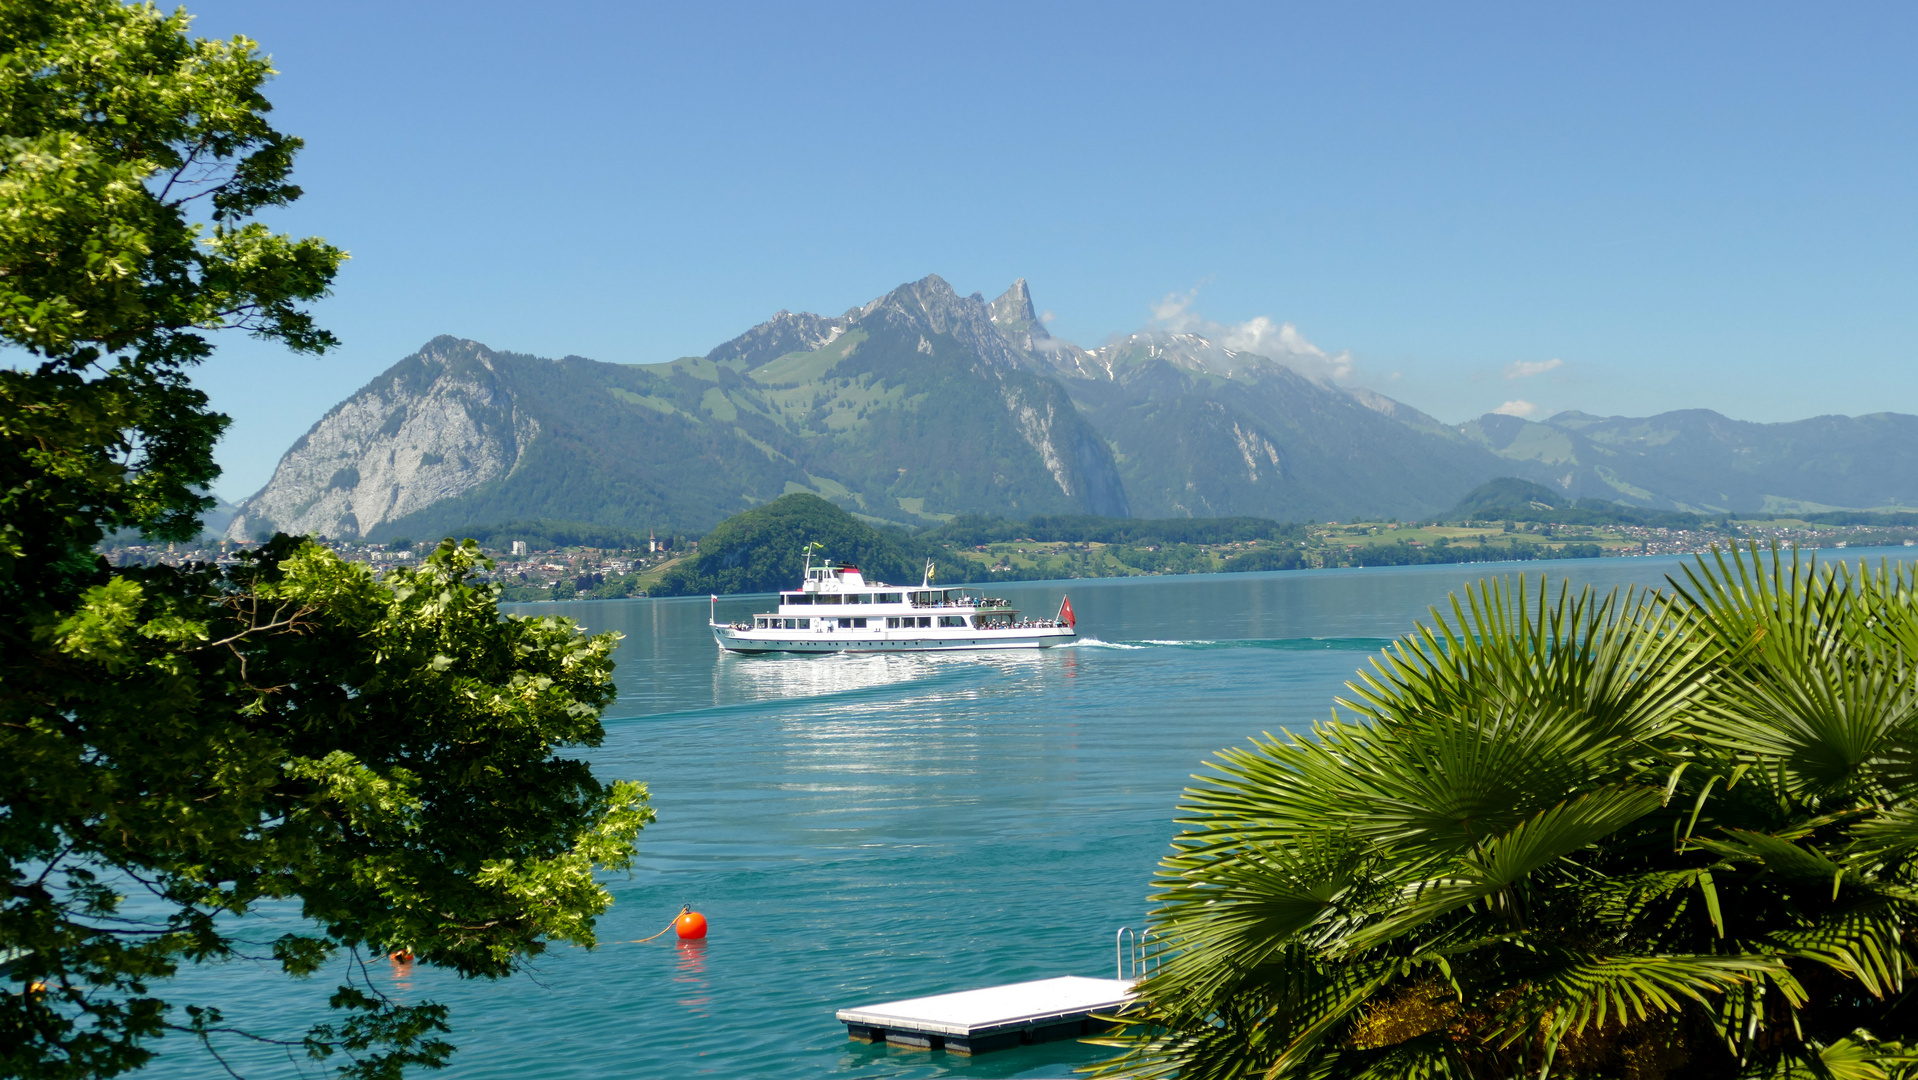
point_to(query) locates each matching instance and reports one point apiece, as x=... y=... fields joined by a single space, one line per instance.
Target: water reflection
x=689 y=976
x=401 y=963
x=740 y=678
x=766 y=678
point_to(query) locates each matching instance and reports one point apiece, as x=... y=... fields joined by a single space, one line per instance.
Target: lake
x=864 y=828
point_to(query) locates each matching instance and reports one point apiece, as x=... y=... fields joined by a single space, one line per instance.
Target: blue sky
x=1686 y=206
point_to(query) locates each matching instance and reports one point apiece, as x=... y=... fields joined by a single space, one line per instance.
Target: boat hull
x=733 y=639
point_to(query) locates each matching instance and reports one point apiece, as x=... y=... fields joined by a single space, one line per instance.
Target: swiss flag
x=1065 y=612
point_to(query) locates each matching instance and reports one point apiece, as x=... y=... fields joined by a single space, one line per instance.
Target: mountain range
x=923 y=404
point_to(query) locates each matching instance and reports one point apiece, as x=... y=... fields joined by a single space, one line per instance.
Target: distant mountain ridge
x=1699 y=461
x=911 y=409
x=923 y=404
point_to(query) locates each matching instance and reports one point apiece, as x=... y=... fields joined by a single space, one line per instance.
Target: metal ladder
x=1140 y=953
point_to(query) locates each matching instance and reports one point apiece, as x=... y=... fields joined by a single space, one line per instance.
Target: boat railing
x=1016 y=624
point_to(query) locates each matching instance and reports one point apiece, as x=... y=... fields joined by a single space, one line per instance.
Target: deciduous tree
x=180 y=745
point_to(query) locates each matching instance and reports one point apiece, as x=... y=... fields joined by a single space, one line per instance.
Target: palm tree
x=1637 y=835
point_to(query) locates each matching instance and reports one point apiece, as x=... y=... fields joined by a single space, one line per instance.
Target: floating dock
x=994 y=1017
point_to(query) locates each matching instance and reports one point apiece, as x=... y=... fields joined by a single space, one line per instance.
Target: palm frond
x=1819 y=676
x=1505 y=860
x=1889 y=835
x=1618 y=990
x=1864 y=942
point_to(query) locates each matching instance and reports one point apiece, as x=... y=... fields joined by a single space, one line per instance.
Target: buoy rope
x=662 y=933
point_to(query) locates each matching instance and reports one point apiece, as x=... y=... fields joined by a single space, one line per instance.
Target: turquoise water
x=859 y=829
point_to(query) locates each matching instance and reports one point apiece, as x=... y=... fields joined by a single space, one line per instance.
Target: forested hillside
x=762 y=550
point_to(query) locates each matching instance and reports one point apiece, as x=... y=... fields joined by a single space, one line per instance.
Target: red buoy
x=691 y=925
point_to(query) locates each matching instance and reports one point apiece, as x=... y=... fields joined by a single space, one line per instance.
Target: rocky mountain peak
x=931 y=297
x=1005 y=332
x=1013 y=314
x=932 y=306
x=1189 y=352
x=786 y=332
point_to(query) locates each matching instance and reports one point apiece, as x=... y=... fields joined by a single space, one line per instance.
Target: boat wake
x=1313 y=644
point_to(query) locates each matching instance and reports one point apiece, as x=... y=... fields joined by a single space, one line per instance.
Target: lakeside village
x=560 y=573
x=582 y=573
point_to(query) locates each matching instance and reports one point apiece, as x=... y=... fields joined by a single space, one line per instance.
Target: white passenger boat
x=837 y=610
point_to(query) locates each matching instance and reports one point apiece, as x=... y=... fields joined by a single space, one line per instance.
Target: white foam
x=1095 y=643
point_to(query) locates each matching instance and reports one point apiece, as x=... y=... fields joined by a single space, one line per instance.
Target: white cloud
x=1047 y=316
x=1520 y=407
x=1261 y=334
x=1525 y=369
x=1175 y=313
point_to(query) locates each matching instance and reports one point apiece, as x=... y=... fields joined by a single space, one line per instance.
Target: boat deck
x=993 y=1017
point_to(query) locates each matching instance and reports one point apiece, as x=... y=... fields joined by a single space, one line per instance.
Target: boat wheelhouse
x=835 y=609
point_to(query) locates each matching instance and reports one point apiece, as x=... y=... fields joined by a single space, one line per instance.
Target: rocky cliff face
x=430 y=429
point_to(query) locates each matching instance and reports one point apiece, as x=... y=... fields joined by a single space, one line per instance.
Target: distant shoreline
x=1544 y=566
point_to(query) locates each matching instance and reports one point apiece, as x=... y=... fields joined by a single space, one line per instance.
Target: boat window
x=859 y=598
x=759 y=623
x=888 y=598
x=805 y=624
x=799 y=598
x=952 y=620
x=859 y=624
x=892 y=624
x=924 y=598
